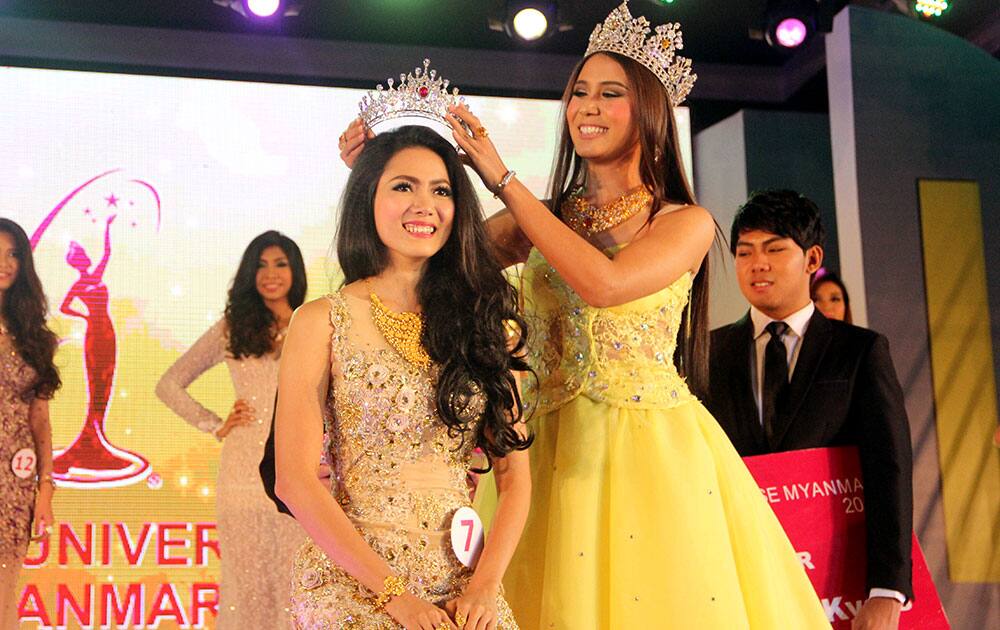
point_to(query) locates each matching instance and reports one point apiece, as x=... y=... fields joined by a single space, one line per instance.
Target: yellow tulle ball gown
x=643 y=515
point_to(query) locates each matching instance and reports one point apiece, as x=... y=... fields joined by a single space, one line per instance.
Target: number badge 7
x=467 y=536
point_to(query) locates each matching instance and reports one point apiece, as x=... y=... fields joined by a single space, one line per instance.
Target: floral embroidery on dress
x=398 y=475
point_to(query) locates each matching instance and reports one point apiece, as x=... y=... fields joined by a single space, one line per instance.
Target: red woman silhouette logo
x=91 y=460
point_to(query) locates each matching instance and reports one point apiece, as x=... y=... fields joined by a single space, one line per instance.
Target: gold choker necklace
x=587 y=219
x=403 y=331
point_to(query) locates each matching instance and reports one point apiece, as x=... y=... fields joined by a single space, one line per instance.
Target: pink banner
x=818 y=495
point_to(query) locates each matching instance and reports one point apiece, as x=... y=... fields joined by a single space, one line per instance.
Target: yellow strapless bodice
x=621 y=355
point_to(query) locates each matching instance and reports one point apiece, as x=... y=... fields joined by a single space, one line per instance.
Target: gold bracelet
x=393 y=586
x=47 y=478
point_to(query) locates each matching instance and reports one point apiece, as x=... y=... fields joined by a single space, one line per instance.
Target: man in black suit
x=784 y=378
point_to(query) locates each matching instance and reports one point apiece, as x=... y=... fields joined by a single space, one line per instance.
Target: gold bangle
x=47 y=478
x=393 y=586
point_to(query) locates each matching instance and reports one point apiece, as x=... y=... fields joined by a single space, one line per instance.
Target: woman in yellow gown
x=642 y=515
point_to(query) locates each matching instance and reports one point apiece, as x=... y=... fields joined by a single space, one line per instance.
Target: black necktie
x=775 y=377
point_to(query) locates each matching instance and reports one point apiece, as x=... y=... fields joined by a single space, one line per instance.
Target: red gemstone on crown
x=423 y=91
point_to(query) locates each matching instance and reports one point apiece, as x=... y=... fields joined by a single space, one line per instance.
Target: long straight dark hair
x=468 y=305
x=25 y=310
x=662 y=173
x=249 y=322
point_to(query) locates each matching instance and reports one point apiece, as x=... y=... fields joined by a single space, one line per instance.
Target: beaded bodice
x=621 y=355
x=397 y=473
x=394 y=462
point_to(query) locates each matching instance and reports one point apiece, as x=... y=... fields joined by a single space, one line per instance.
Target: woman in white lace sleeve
x=257 y=544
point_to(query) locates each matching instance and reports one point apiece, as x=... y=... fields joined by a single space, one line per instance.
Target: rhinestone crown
x=421 y=93
x=626 y=35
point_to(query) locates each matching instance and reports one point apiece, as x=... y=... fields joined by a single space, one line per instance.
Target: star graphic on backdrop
x=86 y=211
x=112 y=200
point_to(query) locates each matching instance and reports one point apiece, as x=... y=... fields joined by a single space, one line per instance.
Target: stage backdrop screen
x=157 y=184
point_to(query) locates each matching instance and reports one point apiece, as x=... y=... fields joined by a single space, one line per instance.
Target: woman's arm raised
x=675 y=242
x=509 y=241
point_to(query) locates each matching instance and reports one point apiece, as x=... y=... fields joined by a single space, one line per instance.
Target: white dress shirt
x=797 y=322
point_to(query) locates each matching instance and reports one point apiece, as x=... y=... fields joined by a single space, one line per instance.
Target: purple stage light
x=791 y=32
x=263 y=8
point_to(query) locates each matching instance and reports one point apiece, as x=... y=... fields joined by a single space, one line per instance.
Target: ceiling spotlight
x=791 y=32
x=263 y=10
x=528 y=22
x=787 y=24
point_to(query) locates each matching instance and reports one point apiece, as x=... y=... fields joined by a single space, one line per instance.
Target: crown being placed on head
x=421 y=93
x=623 y=34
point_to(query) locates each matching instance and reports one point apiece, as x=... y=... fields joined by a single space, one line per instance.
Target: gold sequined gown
x=256 y=542
x=17 y=496
x=643 y=515
x=397 y=474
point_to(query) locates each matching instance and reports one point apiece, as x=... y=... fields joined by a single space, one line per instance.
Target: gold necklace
x=403 y=331
x=587 y=219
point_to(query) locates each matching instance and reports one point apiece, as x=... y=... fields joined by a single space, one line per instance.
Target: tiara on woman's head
x=421 y=93
x=623 y=34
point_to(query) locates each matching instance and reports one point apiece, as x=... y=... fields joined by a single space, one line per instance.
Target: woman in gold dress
x=28 y=380
x=411 y=367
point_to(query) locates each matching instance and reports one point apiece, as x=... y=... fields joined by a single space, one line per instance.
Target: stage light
x=530 y=24
x=791 y=32
x=528 y=21
x=262 y=8
x=931 y=8
x=264 y=11
x=787 y=24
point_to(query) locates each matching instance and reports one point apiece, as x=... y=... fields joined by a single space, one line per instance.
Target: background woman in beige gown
x=257 y=543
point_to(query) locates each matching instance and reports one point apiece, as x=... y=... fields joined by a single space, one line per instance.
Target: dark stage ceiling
x=715 y=31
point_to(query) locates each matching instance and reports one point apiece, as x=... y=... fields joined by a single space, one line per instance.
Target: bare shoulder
x=307 y=346
x=686 y=212
x=689 y=218
x=311 y=316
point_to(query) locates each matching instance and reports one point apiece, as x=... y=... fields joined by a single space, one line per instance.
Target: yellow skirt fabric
x=649 y=519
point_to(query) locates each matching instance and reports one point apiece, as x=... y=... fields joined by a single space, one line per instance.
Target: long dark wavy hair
x=463 y=294
x=250 y=324
x=662 y=173
x=25 y=310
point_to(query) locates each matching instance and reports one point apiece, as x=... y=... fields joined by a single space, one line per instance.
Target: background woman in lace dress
x=257 y=543
x=410 y=365
x=28 y=380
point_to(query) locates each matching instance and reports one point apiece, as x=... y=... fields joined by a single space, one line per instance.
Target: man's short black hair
x=785 y=213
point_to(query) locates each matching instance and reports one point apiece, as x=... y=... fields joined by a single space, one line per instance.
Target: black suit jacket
x=843 y=391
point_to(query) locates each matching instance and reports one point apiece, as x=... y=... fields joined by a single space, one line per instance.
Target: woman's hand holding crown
x=482 y=154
